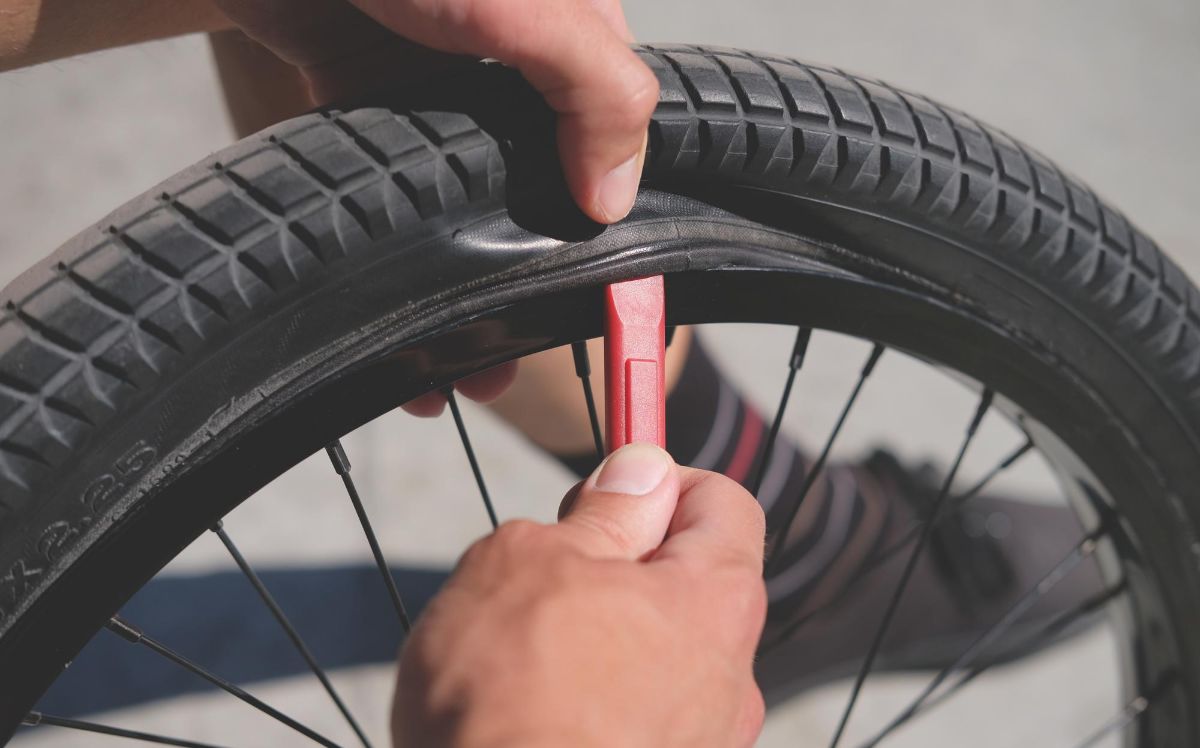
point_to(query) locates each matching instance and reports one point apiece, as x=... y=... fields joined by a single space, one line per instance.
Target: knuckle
x=754 y=602
x=746 y=591
x=462 y=13
x=492 y=25
x=610 y=529
x=517 y=532
x=755 y=516
x=636 y=107
x=631 y=98
x=643 y=90
x=753 y=715
x=509 y=541
x=474 y=553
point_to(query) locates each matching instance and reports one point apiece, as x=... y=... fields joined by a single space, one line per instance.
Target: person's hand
x=632 y=622
x=575 y=52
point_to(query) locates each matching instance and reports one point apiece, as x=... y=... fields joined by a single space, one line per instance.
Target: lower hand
x=632 y=622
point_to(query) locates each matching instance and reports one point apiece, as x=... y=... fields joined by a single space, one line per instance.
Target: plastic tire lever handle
x=634 y=362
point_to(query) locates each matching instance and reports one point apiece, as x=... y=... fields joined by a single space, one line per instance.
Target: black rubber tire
x=129 y=352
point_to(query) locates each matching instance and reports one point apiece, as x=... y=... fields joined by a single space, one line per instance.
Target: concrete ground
x=1107 y=88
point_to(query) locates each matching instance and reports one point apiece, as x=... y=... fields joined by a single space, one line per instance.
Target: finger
x=426 y=406
x=603 y=93
x=482 y=388
x=752 y=713
x=614 y=16
x=486 y=386
x=624 y=508
x=716 y=521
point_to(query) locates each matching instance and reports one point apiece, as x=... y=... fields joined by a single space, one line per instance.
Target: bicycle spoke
x=987 y=478
x=777 y=543
x=134 y=635
x=466 y=442
x=583 y=370
x=341 y=465
x=799 y=349
x=1080 y=552
x=1120 y=721
x=955 y=505
x=37 y=719
x=985 y=403
x=1034 y=641
x=290 y=630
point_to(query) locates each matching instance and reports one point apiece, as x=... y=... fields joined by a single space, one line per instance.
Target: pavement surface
x=1106 y=87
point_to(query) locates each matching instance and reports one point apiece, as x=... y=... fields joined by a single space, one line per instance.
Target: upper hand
x=575 y=52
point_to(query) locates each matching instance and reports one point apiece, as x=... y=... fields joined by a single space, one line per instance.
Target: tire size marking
x=102 y=490
x=59 y=535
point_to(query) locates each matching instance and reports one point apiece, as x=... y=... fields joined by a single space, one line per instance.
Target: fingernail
x=618 y=190
x=635 y=469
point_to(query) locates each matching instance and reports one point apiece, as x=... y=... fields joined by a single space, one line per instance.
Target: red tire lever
x=635 y=362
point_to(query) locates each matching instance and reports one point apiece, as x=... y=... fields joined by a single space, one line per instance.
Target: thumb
x=577 y=55
x=624 y=508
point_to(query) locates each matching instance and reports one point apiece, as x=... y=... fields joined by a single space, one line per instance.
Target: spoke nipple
x=218 y=526
x=337 y=455
x=33 y=719
x=1008 y=461
x=125 y=630
x=876 y=353
x=583 y=367
x=800 y=349
x=985 y=403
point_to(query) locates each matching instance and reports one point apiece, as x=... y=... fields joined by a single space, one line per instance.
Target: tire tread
x=128 y=301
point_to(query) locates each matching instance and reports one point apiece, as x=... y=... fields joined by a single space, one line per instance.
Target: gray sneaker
x=979 y=565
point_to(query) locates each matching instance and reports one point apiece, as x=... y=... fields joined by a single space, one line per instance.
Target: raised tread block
x=893 y=114
x=27 y=363
x=753 y=86
x=708 y=83
x=271 y=179
x=329 y=155
x=66 y=319
x=217 y=213
x=113 y=275
x=161 y=241
x=805 y=98
x=390 y=139
x=848 y=104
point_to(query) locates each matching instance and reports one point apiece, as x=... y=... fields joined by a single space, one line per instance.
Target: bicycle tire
x=195 y=313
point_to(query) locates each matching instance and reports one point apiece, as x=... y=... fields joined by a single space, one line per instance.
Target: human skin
x=632 y=622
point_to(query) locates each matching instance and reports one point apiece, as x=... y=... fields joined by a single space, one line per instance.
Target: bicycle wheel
x=162 y=366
